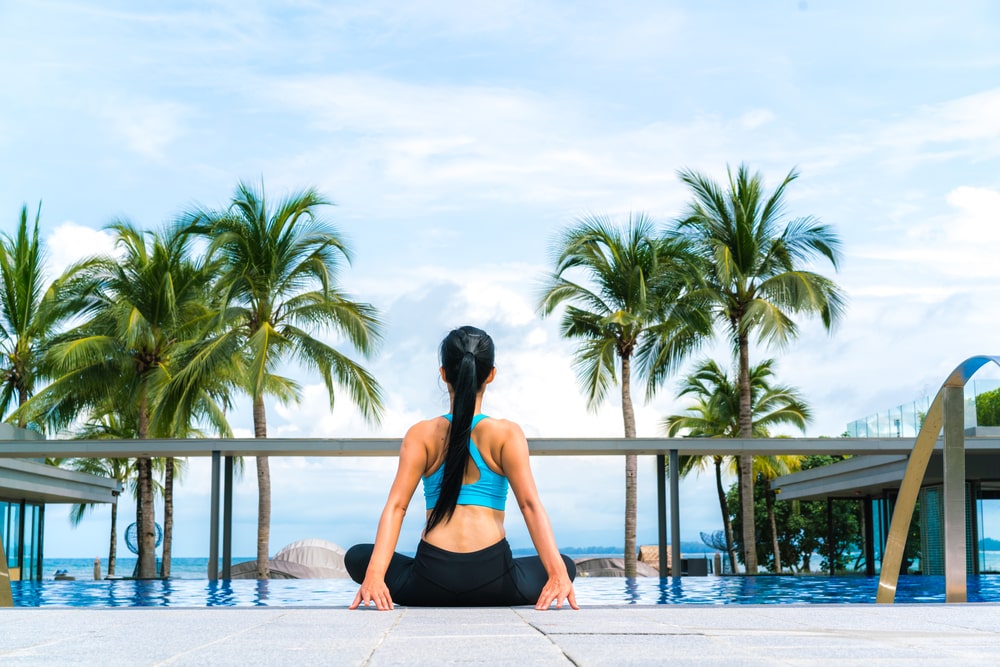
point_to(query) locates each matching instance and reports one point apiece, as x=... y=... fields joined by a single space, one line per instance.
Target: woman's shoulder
x=428 y=428
x=501 y=428
x=425 y=438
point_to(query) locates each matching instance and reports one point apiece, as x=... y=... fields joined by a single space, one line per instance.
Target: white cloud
x=973 y=121
x=751 y=120
x=70 y=242
x=147 y=128
x=421 y=144
x=954 y=250
x=958 y=129
x=978 y=219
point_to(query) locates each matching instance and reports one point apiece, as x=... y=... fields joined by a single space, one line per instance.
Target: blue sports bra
x=490 y=490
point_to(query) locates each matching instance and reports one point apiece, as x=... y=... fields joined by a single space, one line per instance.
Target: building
x=26 y=487
x=875 y=482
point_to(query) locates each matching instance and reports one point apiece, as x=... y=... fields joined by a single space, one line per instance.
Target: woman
x=466 y=461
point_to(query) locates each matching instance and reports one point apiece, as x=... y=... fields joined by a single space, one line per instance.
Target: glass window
x=4 y=506
x=932 y=530
x=989 y=528
x=12 y=534
x=30 y=565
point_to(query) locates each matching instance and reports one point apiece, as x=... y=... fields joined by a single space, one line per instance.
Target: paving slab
x=594 y=636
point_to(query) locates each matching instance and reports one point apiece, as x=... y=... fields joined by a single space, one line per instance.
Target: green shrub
x=988 y=408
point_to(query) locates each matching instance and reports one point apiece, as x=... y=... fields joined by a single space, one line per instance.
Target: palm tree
x=768 y=468
x=715 y=414
x=29 y=315
x=278 y=284
x=197 y=391
x=711 y=416
x=121 y=470
x=755 y=279
x=621 y=288
x=138 y=308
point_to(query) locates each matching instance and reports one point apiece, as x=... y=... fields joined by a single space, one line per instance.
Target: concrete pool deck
x=861 y=634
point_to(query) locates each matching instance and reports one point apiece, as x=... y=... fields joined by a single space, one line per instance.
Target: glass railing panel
x=902 y=421
x=982 y=401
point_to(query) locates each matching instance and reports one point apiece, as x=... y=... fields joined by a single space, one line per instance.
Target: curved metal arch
x=914 y=476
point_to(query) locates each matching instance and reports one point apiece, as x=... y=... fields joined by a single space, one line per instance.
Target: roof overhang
x=858 y=476
x=37 y=482
x=864 y=476
x=28 y=477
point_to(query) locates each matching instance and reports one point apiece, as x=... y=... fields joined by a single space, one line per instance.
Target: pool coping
x=599 y=635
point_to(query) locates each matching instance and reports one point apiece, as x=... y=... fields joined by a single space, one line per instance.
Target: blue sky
x=458 y=138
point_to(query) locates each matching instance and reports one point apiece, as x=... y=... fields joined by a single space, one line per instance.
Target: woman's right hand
x=373 y=591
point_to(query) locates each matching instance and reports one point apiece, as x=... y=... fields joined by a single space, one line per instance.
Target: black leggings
x=490 y=577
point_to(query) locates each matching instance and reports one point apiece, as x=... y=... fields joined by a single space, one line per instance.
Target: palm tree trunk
x=168 y=516
x=263 y=493
x=628 y=415
x=113 y=546
x=746 y=461
x=145 y=515
x=863 y=555
x=774 y=531
x=726 y=521
x=22 y=398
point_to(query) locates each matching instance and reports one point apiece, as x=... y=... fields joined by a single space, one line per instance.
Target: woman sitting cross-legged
x=466 y=461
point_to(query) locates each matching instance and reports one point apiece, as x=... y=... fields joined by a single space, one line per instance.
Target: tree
x=715 y=414
x=708 y=417
x=767 y=468
x=622 y=288
x=197 y=391
x=137 y=308
x=29 y=315
x=755 y=279
x=803 y=528
x=988 y=408
x=278 y=288
x=120 y=470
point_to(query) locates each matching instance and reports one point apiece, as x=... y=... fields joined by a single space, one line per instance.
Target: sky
x=457 y=139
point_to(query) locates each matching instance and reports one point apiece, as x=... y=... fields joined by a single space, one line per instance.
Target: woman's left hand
x=556 y=590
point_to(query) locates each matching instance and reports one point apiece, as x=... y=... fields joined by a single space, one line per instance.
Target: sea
x=83 y=568
x=197 y=568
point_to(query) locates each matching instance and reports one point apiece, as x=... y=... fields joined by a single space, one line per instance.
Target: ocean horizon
x=196 y=567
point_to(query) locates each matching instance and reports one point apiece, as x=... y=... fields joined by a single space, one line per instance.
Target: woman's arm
x=412 y=463
x=515 y=465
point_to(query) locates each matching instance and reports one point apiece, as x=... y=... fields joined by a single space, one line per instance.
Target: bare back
x=471 y=527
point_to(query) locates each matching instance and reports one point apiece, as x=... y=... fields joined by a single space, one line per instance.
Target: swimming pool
x=593 y=591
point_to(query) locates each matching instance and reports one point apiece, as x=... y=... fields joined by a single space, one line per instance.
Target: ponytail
x=467 y=356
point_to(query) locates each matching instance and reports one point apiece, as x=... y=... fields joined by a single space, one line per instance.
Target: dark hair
x=467 y=358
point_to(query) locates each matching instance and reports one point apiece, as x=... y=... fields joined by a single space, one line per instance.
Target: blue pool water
x=816 y=589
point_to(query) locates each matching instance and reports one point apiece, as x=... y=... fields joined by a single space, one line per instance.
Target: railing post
x=675 y=515
x=954 y=495
x=213 y=534
x=661 y=512
x=227 y=521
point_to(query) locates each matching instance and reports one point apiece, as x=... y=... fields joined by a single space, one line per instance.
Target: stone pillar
x=954 y=495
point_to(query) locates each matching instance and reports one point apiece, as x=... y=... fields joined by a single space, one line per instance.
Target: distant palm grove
x=165 y=336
